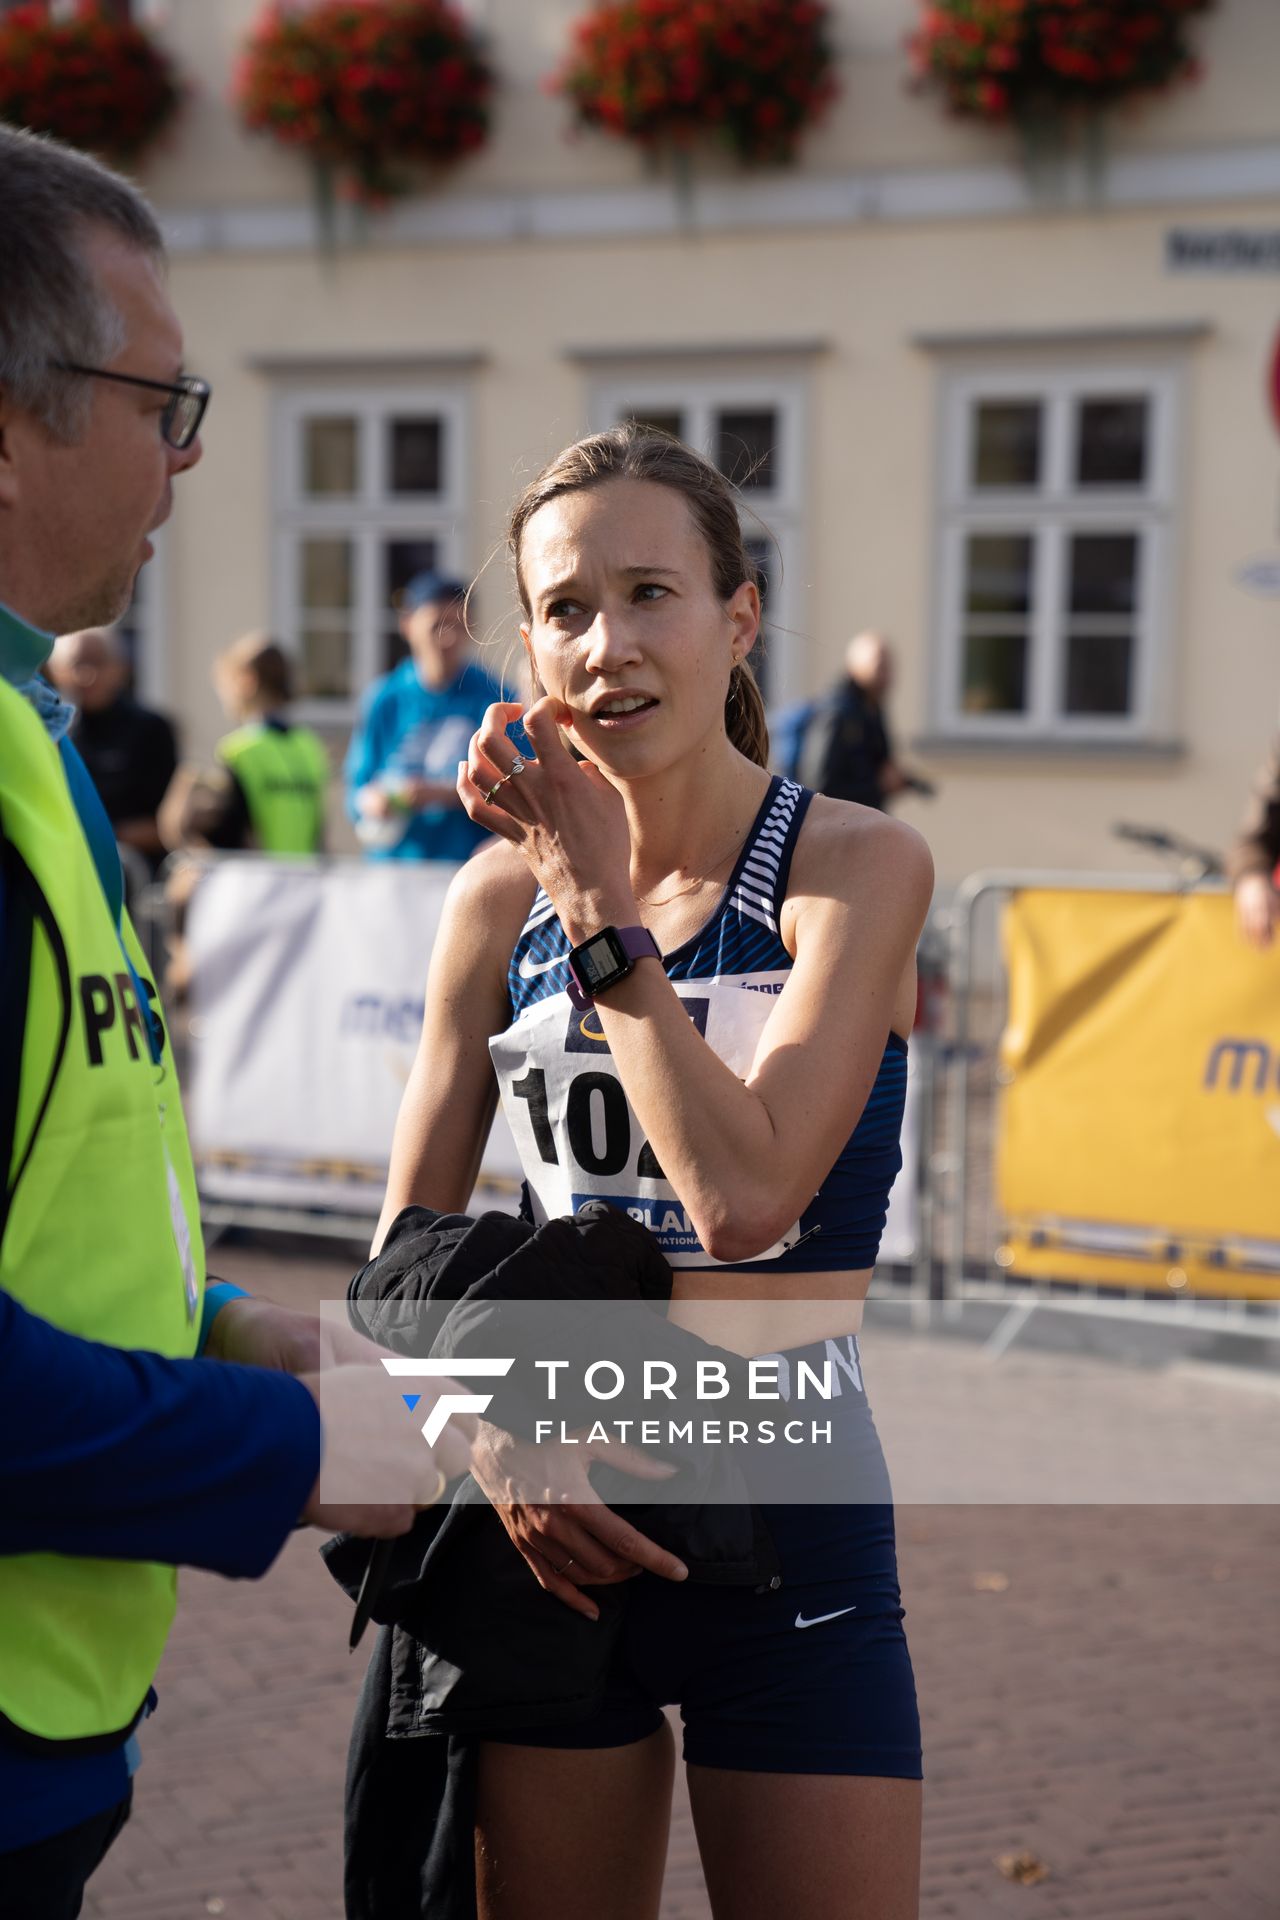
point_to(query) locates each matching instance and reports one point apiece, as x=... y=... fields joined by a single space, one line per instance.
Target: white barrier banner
x=307 y=1006
x=307 y=984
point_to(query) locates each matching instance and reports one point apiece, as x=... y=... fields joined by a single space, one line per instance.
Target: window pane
x=417 y=455
x=1099 y=673
x=331 y=456
x=998 y=573
x=401 y=559
x=1006 y=443
x=326 y=574
x=747 y=447
x=325 y=663
x=1111 y=442
x=1104 y=573
x=995 y=673
x=666 y=420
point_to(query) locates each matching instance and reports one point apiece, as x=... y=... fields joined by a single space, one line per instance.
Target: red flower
x=994 y=58
x=92 y=80
x=754 y=73
x=382 y=81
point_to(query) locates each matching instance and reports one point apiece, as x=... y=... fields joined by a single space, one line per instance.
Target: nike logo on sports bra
x=818 y=1618
x=530 y=969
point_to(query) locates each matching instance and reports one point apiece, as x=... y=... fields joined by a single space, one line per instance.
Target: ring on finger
x=565 y=1568
x=517 y=766
x=442 y=1481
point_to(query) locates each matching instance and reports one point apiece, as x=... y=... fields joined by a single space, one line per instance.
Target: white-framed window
x=369 y=487
x=753 y=427
x=1054 y=553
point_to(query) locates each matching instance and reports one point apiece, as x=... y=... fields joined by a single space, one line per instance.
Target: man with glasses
x=185 y=399
x=122 y=1453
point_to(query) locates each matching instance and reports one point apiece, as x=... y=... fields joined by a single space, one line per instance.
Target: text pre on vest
x=104 y=1003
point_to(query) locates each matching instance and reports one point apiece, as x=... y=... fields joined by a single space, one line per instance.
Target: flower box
x=364 y=88
x=750 y=75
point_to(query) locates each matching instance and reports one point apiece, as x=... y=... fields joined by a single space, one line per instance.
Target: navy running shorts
x=812 y=1675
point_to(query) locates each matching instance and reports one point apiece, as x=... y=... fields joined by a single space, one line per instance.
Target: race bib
x=573 y=1124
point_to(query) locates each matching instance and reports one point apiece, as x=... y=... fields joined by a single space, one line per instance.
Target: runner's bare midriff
x=749 y=1311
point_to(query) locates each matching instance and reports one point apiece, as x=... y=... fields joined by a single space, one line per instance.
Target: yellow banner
x=1139 y=1132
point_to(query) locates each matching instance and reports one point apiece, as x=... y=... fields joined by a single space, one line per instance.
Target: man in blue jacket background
x=415 y=725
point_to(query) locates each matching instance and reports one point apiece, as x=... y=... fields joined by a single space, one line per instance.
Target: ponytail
x=744 y=718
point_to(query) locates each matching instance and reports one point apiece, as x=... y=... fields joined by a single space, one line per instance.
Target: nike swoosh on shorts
x=818 y=1618
x=530 y=969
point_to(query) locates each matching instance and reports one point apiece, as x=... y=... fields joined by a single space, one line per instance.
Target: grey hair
x=50 y=306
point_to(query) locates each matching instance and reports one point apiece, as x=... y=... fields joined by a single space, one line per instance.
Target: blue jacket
x=422 y=733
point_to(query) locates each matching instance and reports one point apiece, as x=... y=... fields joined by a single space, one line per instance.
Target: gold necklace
x=648 y=900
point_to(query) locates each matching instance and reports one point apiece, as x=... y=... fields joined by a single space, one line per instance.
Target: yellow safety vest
x=100 y=1232
x=284 y=776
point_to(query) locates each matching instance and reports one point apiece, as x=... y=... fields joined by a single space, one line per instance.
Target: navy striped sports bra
x=568 y=1111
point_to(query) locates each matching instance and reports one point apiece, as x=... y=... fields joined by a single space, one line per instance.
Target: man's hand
x=378 y=1470
x=372 y=802
x=1257 y=910
x=568 y=1537
x=257 y=1333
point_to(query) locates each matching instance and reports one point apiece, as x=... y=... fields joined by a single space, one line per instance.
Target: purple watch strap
x=636 y=942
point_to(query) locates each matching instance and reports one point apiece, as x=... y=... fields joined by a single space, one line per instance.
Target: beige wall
x=866 y=292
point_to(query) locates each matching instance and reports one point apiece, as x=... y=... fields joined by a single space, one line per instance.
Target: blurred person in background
x=840 y=745
x=415 y=725
x=131 y=752
x=1253 y=863
x=128 y=1447
x=269 y=788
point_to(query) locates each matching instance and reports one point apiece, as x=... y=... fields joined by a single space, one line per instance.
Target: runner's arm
x=747 y=1154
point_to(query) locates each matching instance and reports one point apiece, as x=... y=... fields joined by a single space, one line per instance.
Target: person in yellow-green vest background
x=147 y=1420
x=269 y=789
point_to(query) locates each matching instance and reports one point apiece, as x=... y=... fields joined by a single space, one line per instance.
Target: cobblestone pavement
x=1100 y=1688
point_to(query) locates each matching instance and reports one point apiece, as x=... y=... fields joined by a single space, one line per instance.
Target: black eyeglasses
x=188 y=398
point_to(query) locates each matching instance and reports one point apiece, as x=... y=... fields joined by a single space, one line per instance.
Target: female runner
x=761 y=1062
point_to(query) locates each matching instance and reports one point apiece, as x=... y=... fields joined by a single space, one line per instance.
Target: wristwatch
x=607 y=957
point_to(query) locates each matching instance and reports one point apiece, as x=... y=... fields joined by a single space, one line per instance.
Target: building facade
x=1025 y=432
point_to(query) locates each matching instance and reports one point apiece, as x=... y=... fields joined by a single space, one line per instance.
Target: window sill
x=1039 y=746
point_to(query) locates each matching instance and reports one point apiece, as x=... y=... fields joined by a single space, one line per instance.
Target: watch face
x=600 y=960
